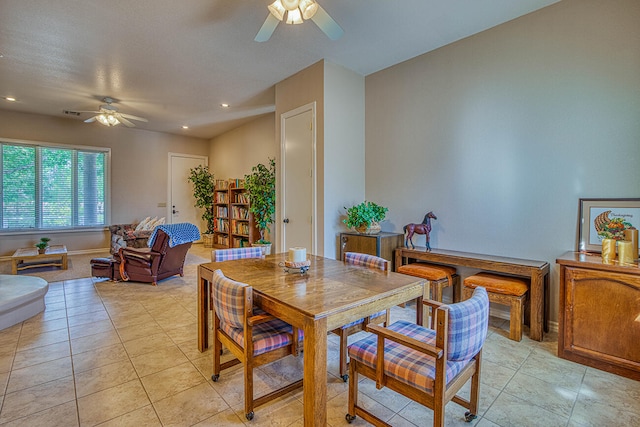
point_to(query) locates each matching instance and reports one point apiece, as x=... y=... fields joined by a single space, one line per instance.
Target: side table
x=55 y=256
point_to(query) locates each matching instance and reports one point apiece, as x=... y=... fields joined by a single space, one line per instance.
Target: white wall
x=501 y=133
x=344 y=161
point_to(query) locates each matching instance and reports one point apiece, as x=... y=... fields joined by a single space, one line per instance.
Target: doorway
x=181 y=203
x=298 y=179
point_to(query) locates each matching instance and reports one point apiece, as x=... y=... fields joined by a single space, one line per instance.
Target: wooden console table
x=536 y=271
x=598 y=322
x=24 y=258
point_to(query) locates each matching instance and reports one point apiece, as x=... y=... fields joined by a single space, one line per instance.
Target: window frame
x=107 y=186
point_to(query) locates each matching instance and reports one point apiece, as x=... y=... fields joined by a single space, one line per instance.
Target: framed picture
x=606 y=219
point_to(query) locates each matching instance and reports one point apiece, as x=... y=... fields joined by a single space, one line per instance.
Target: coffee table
x=55 y=256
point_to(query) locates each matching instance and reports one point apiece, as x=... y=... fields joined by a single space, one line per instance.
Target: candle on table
x=608 y=249
x=625 y=252
x=631 y=235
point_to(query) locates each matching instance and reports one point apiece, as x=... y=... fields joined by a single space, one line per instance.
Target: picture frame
x=595 y=216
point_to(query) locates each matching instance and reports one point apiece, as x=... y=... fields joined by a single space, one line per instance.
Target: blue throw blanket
x=178 y=233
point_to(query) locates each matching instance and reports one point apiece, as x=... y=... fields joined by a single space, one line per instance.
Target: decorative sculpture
x=423 y=228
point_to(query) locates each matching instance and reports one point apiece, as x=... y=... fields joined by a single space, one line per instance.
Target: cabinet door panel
x=602 y=313
x=363 y=244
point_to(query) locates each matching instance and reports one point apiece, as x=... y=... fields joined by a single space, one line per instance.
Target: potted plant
x=365 y=217
x=261 y=186
x=203 y=186
x=43 y=244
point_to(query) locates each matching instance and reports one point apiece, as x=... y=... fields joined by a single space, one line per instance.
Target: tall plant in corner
x=203 y=186
x=261 y=186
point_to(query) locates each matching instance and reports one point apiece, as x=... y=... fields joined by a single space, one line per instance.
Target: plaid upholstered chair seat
x=428 y=365
x=400 y=362
x=375 y=263
x=267 y=336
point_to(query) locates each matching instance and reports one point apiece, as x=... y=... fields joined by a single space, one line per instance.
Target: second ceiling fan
x=296 y=12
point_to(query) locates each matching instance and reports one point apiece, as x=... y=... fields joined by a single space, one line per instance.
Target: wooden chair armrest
x=420 y=346
x=432 y=303
x=259 y=318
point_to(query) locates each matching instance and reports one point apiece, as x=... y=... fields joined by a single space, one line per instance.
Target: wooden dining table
x=328 y=295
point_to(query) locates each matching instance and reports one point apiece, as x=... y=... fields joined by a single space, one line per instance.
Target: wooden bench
x=535 y=271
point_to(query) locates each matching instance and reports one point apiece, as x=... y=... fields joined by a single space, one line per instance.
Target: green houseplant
x=261 y=186
x=43 y=244
x=203 y=186
x=365 y=217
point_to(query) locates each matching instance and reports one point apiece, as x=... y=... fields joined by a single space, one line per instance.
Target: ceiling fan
x=108 y=115
x=296 y=12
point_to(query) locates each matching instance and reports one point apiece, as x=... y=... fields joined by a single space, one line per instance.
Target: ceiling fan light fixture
x=277 y=9
x=294 y=17
x=107 y=119
x=308 y=8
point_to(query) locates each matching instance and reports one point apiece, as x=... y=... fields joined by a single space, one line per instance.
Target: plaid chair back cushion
x=468 y=324
x=366 y=260
x=267 y=336
x=236 y=253
x=228 y=300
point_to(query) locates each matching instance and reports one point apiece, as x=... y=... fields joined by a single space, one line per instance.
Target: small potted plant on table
x=43 y=244
x=261 y=186
x=365 y=217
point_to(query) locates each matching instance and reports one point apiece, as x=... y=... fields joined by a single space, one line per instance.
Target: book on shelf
x=239 y=242
x=221 y=225
x=222 y=211
x=242 y=198
x=222 y=184
x=237 y=183
x=238 y=227
x=221 y=197
x=239 y=212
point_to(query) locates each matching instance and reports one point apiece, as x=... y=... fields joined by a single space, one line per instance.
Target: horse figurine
x=423 y=228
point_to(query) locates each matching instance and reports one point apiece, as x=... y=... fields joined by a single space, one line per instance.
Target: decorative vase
x=374 y=228
x=42 y=250
x=207 y=240
x=266 y=247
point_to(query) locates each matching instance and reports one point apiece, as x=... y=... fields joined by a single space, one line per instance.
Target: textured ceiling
x=175 y=62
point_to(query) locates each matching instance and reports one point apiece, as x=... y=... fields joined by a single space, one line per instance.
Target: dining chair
x=427 y=365
x=370 y=261
x=253 y=336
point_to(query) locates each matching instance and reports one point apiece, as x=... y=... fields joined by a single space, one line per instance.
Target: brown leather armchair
x=149 y=265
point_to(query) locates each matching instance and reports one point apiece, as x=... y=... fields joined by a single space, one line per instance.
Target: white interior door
x=181 y=201
x=298 y=179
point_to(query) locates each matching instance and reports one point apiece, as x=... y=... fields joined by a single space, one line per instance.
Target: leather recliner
x=149 y=265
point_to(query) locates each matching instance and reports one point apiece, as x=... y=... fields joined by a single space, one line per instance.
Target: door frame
x=314 y=181
x=171 y=155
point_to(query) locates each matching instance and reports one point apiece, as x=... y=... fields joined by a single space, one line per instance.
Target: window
x=52 y=187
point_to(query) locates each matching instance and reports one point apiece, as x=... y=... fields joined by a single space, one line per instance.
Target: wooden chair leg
x=343 y=355
x=353 y=392
x=248 y=390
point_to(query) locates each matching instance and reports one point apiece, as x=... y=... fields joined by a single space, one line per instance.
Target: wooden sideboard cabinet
x=382 y=244
x=599 y=315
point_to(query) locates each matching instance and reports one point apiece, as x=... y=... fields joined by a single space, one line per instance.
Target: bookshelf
x=234 y=225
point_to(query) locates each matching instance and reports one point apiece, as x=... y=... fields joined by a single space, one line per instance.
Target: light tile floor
x=125 y=354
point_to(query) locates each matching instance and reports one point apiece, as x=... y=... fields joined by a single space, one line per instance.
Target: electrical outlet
x=162 y=204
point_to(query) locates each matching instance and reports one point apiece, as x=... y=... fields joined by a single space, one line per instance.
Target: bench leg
x=515 y=321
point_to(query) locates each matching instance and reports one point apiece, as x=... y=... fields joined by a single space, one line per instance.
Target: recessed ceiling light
x=10 y=99
x=224 y=105
x=185 y=127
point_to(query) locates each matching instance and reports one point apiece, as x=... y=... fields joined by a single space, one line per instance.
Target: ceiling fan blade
x=129 y=116
x=126 y=122
x=93 y=112
x=327 y=24
x=267 y=28
x=91 y=119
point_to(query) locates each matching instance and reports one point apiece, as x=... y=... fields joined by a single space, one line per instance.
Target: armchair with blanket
x=164 y=258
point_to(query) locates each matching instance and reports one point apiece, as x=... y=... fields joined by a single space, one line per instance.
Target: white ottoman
x=21 y=297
